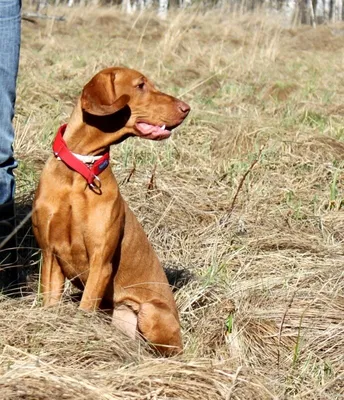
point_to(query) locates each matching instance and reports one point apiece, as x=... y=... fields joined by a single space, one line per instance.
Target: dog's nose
x=183 y=107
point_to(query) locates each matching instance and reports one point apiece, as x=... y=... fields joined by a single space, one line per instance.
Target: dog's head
x=122 y=99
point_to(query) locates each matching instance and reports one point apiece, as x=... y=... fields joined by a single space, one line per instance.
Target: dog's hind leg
x=154 y=321
x=160 y=327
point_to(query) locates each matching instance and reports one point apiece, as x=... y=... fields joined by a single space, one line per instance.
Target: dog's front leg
x=52 y=280
x=97 y=281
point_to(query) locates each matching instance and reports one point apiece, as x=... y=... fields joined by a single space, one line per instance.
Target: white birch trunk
x=312 y=13
x=184 y=3
x=338 y=10
x=126 y=7
x=149 y=4
x=41 y=4
x=163 y=6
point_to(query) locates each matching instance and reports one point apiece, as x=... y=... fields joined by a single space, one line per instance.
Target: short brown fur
x=93 y=238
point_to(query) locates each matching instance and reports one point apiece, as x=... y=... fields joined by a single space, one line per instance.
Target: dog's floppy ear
x=99 y=96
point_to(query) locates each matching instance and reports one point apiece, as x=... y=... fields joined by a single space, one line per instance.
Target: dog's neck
x=90 y=135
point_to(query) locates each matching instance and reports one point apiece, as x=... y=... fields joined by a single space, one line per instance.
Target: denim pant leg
x=10 y=21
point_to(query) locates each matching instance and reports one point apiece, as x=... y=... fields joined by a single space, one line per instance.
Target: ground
x=245 y=201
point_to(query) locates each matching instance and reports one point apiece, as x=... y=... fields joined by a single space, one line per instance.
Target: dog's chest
x=84 y=237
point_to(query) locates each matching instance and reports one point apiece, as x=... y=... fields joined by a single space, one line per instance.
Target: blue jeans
x=10 y=21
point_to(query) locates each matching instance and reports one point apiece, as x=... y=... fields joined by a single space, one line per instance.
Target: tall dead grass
x=262 y=313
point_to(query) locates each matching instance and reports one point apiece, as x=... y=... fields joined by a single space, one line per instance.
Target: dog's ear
x=99 y=96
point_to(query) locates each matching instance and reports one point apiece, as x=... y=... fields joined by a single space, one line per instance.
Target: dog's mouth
x=154 y=132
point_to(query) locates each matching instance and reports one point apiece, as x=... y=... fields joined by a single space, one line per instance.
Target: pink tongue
x=148 y=129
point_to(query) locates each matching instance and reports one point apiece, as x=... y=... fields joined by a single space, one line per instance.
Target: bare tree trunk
x=184 y=3
x=324 y=10
x=163 y=7
x=304 y=15
x=141 y=5
x=126 y=7
x=338 y=10
x=331 y=11
x=314 y=4
x=312 y=12
x=41 y=4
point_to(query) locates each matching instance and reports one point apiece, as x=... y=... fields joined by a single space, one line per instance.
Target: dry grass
x=263 y=314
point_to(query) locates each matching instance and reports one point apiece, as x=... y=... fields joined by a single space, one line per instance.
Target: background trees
x=310 y=12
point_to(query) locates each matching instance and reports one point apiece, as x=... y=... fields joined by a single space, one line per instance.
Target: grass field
x=245 y=201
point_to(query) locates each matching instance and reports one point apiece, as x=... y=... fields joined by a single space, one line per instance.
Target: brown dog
x=86 y=230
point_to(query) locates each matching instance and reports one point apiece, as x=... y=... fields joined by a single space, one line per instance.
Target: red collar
x=89 y=172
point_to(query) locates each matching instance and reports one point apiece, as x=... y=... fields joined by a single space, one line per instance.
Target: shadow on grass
x=29 y=254
x=19 y=278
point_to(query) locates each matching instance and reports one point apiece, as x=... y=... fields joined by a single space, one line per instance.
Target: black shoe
x=8 y=249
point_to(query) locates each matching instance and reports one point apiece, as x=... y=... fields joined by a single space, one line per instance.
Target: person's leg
x=10 y=21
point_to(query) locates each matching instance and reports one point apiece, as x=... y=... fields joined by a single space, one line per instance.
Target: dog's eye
x=141 y=85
